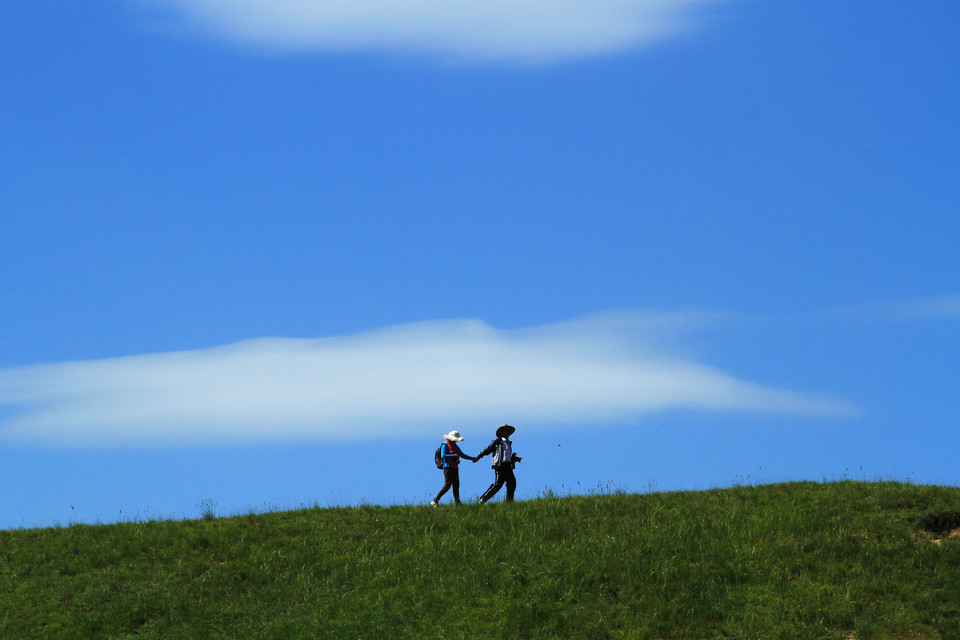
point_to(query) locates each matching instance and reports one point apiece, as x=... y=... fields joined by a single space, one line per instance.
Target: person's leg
x=511 y=481
x=446 y=485
x=455 y=480
x=492 y=489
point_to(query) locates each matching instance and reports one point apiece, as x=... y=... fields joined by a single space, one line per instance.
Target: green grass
x=802 y=560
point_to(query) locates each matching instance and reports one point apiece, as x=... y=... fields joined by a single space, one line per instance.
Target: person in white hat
x=504 y=460
x=451 y=454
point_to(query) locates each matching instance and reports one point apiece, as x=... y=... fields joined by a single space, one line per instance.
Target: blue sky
x=263 y=254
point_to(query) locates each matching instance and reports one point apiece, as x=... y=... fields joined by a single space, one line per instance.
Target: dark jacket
x=497 y=449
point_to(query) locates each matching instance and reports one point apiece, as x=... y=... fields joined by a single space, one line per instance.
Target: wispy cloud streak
x=405 y=381
x=947 y=306
x=526 y=31
x=929 y=308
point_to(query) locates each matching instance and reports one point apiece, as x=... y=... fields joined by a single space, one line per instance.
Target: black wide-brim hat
x=505 y=431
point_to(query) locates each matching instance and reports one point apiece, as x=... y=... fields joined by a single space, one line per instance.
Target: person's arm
x=463 y=455
x=448 y=455
x=489 y=449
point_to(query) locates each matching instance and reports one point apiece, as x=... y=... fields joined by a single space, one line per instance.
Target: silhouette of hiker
x=504 y=460
x=451 y=461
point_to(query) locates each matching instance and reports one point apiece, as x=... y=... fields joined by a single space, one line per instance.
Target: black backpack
x=438 y=455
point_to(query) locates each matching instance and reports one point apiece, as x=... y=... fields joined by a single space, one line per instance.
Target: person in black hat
x=504 y=460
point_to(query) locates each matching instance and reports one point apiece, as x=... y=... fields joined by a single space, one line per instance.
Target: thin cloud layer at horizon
x=404 y=381
x=526 y=31
x=930 y=308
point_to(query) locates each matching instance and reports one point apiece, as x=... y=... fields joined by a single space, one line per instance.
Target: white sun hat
x=454 y=436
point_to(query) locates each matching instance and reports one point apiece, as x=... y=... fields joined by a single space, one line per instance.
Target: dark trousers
x=451 y=478
x=503 y=475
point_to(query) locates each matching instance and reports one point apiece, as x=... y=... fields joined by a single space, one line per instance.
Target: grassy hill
x=802 y=560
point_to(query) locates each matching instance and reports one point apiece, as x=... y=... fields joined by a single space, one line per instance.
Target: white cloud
x=406 y=381
x=528 y=31
x=929 y=308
